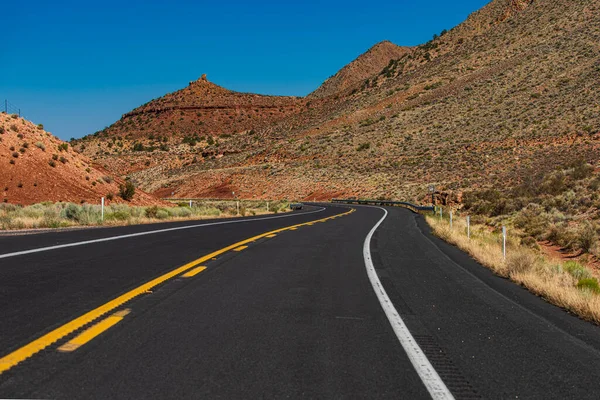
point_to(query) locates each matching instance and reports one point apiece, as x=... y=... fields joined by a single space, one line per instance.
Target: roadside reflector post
x=468 y=226
x=267 y=206
x=102 y=210
x=237 y=204
x=190 y=204
x=441 y=212
x=504 y=243
x=450 y=219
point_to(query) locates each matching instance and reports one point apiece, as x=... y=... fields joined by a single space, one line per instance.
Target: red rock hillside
x=35 y=166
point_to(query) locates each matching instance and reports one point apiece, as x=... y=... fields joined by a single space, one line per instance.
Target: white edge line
x=130 y=235
x=432 y=381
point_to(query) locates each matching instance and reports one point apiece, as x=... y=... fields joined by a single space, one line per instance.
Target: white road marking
x=130 y=235
x=434 y=384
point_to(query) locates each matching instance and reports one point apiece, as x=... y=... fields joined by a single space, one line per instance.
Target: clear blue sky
x=76 y=66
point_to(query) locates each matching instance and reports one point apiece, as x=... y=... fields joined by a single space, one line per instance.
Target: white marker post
x=237 y=203
x=468 y=226
x=267 y=206
x=190 y=204
x=441 y=212
x=102 y=208
x=450 y=219
x=504 y=242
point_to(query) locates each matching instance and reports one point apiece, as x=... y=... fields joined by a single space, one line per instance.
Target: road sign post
x=102 y=210
x=504 y=243
x=468 y=226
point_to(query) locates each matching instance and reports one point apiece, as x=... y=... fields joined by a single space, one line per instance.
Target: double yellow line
x=23 y=353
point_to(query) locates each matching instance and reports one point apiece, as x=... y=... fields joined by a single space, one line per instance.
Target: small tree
x=127 y=190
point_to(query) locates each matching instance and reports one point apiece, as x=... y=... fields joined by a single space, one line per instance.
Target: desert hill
x=35 y=166
x=511 y=92
x=365 y=66
x=181 y=127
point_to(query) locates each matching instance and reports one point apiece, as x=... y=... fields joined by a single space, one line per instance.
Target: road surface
x=328 y=302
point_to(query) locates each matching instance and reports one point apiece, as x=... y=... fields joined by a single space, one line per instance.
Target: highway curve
x=328 y=302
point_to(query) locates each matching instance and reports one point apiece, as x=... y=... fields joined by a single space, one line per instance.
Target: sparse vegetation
x=127 y=190
x=57 y=215
x=569 y=285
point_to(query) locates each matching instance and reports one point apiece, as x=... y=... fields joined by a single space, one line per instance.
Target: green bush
x=162 y=214
x=589 y=284
x=72 y=212
x=127 y=191
x=576 y=270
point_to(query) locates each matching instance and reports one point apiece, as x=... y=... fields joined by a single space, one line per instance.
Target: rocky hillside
x=176 y=126
x=365 y=66
x=510 y=92
x=35 y=166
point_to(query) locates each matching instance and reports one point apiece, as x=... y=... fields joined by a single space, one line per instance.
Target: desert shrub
x=586 y=237
x=581 y=169
x=72 y=212
x=52 y=163
x=533 y=219
x=2 y=130
x=119 y=213
x=138 y=212
x=151 y=212
x=40 y=145
x=63 y=160
x=63 y=147
x=182 y=212
x=594 y=184
x=553 y=183
x=162 y=214
x=137 y=146
x=14 y=128
x=51 y=218
x=127 y=191
x=110 y=196
x=15 y=154
x=576 y=270
x=520 y=261
x=40 y=126
x=363 y=146
x=562 y=235
x=589 y=284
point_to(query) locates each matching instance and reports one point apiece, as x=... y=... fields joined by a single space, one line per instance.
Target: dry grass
x=555 y=282
x=59 y=215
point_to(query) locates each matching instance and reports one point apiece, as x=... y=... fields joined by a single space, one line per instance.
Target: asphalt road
x=293 y=315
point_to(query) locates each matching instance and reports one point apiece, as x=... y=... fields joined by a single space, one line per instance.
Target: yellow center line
x=193 y=272
x=271 y=236
x=93 y=331
x=28 y=350
x=240 y=248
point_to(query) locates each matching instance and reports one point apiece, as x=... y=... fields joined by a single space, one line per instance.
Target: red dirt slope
x=35 y=166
